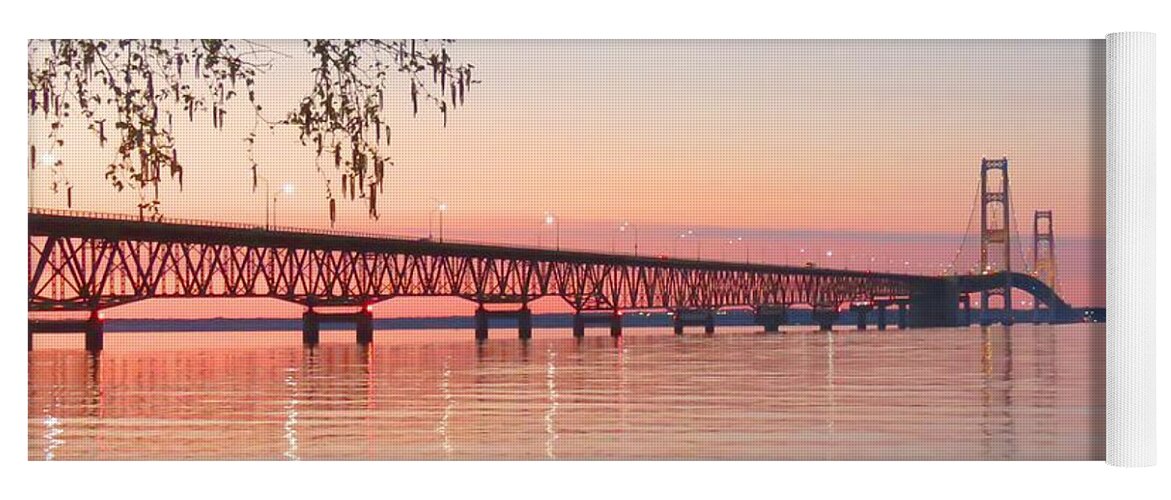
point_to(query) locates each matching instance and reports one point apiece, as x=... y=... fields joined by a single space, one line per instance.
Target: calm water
x=1025 y=392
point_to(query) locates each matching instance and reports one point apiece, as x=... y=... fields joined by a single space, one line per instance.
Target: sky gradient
x=864 y=154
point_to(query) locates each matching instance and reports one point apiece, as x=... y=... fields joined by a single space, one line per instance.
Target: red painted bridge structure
x=91 y=262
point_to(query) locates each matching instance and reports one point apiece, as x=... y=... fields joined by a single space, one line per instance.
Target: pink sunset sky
x=849 y=154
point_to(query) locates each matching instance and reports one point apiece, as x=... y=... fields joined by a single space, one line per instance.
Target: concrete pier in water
x=94 y=329
x=362 y=320
x=694 y=317
x=523 y=317
x=582 y=319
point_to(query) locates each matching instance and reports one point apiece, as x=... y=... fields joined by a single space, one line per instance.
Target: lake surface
x=995 y=393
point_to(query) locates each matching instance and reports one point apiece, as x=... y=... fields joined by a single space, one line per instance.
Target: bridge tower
x=995 y=233
x=1044 y=263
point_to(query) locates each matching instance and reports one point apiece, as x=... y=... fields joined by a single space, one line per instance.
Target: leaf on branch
x=414 y=98
x=461 y=88
x=373 y=202
x=176 y=169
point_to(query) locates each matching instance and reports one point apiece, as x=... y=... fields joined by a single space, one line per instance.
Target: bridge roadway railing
x=211 y=223
x=186 y=221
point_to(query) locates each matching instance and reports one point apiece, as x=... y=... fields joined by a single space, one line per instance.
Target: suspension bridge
x=85 y=262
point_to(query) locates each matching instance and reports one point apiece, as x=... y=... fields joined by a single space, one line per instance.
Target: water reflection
x=291 y=415
x=996 y=392
x=96 y=398
x=51 y=433
x=1045 y=373
x=448 y=408
x=623 y=396
x=1025 y=392
x=93 y=386
x=369 y=390
x=831 y=403
x=551 y=413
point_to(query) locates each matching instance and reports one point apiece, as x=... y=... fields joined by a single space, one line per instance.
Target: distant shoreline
x=797 y=317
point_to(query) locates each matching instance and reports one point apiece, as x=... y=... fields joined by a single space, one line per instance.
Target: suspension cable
x=967 y=229
x=1017 y=231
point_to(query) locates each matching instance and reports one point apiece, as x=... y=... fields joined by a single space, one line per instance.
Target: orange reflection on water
x=1025 y=392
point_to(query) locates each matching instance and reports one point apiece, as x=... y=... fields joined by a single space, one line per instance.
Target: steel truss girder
x=83 y=273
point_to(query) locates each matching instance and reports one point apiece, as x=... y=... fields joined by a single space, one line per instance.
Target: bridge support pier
x=582 y=319
x=880 y=319
x=364 y=324
x=93 y=328
x=902 y=319
x=95 y=333
x=523 y=316
x=825 y=318
x=481 y=323
x=1006 y=315
x=861 y=311
x=772 y=317
x=310 y=329
x=524 y=324
x=311 y=321
x=935 y=305
x=695 y=317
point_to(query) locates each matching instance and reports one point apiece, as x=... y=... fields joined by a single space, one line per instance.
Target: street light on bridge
x=740 y=239
x=270 y=198
x=552 y=220
x=697 y=242
x=439 y=207
x=287 y=189
x=684 y=236
x=622 y=229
